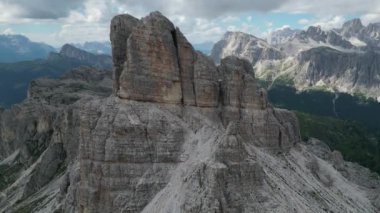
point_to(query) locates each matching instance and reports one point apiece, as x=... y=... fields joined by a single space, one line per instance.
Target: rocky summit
x=96 y=60
x=177 y=134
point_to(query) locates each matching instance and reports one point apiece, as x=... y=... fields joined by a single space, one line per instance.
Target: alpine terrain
x=15 y=77
x=173 y=132
x=338 y=60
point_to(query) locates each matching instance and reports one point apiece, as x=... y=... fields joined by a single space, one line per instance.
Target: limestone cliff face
x=132 y=145
x=161 y=64
x=348 y=71
x=182 y=135
x=178 y=134
x=39 y=141
x=343 y=60
x=245 y=46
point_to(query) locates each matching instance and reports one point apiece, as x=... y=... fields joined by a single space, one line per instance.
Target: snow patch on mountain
x=357 y=42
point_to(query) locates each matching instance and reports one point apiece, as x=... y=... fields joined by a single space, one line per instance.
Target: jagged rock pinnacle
x=154 y=62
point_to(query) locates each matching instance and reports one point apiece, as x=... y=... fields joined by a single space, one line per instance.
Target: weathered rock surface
x=281 y=36
x=161 y=153
x=122 y=26
x=342 y=60
x=244 y=46
x=352 y=28
x=206 y=82
x=178 y=134
x=350 y=72
x=239 y=86
x=151 y=71
x=39 y=139
x=335 y=39
x=160 y=65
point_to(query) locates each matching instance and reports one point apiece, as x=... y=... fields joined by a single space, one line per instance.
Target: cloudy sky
x=74 y=21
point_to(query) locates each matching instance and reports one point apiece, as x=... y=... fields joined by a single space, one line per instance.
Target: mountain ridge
x=354 y=46
x=15 y=77
x=95 y=47
x=172 y=132
x=15 y=48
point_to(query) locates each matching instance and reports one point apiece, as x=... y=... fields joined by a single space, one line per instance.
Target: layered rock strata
x=340 y=60
x=182 y=135
x=39 y=141
x=177 y=135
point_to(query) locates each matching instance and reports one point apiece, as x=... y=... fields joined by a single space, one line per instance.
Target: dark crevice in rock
x=193 y=81
x=174 y=36
x=151 y=145
x=262 y=99
x=220 y=100
x=175 y=41
x=117 y=74
x=241 y=97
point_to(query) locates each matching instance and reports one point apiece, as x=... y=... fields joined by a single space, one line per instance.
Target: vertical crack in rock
x=175 y=42
x=193 y=82
x=186 y=60
x=220 y=100
x=241 y=96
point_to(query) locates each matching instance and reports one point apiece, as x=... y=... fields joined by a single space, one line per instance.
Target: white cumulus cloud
x=200 y=20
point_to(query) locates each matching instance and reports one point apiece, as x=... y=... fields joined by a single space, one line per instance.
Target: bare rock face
x=160 y=65
x=131 y=152
x=187 y=57
x=206 y=82
x=244 y=46
x=151 y=71
x=178 y=134
x=39 y=142
x=352 y=27
x=343 y=60
x=329 y=65
x=122 y=26
x=182 y=135
x=239 y=86
x=169 y=99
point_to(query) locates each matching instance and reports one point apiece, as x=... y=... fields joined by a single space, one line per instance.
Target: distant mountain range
x=343 y=60
x=95 y=47
x=15 y=48
x=105 y=47
x=100 y=61
x=15 y=77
